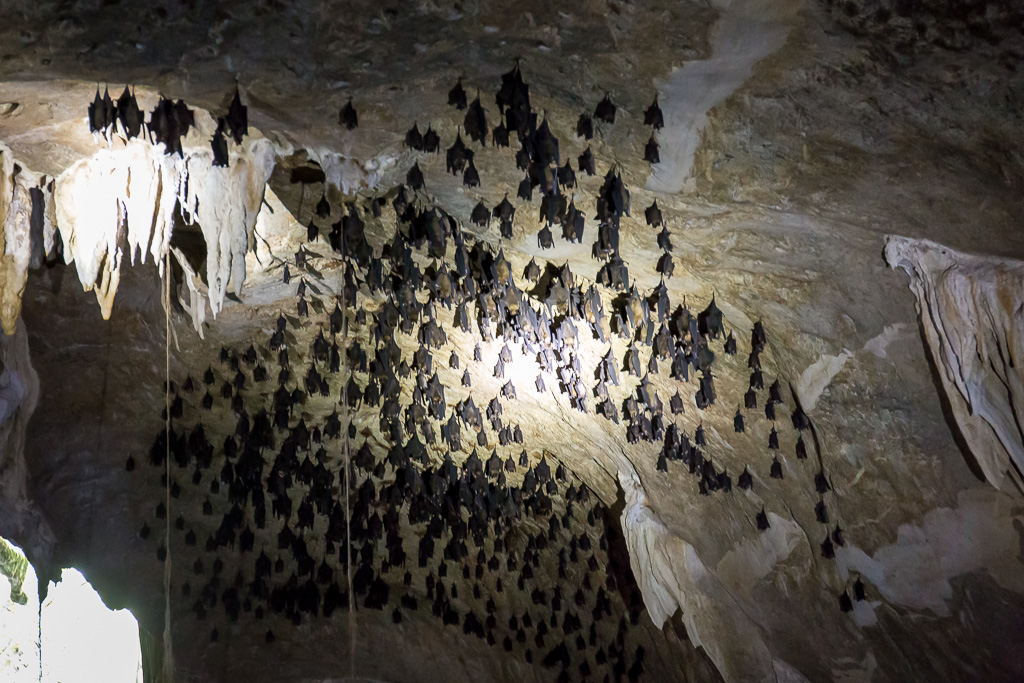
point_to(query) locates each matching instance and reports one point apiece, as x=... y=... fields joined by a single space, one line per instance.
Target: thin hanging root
x=168 y=667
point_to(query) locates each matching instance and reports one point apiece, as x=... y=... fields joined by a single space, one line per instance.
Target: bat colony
x=252 y=430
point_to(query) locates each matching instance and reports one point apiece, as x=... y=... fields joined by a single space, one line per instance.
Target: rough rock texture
x=791 y=149
x=970 y=310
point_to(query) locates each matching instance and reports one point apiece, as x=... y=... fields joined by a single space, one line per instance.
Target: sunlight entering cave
x=83 y=641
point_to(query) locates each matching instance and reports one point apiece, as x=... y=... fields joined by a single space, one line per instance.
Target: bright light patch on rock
x=128 y=196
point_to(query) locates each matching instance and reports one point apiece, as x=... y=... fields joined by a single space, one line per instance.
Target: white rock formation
x=672 y=576
x=18 y=245
x=972 y=316
x=126 y=197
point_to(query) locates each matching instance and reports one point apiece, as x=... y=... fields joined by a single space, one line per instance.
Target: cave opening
x=67 y=634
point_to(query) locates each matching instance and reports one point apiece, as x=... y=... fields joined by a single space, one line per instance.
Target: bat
x=545 y=239
x=219 y=146
x=737 y=421
x=348 y=116
x=414 y=139
x=238 y=118
x=566 y=176
x=165 y=125
x=525 y=189
x=475 y=122
x=470 y=178
x=457 y=156
x=431 y=141
x=109 y=111
x=605 y=110
x=821 y=512
x=762 y=521
x=128 y=113
x=585 y=127
x=821 y=482
x=323 y=207
x=97 y=114
x=746 y=480
x=828 y=551
x=653 y=116
x=504 y=211
x=730 y=344
x=414 y=177
x=653 y=216
x=651 y=151
x=457 y=96
x=758 y=339
x=481 y=215
x=500 y=135
x=776 y=469
x=666 y=266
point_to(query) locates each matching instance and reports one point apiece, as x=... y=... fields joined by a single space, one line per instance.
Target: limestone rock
x=971 y=315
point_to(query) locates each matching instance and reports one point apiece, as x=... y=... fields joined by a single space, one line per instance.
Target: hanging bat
x=585 y=127
x=545 y=240
x=475 y=122
x=431 y=141
x=414 y=139
x=219 y=146
x=238 y=118
x=762 y=521
x=128 y=114
x=414 y=177
x=470 y=178
x=605 y=110
x=457 y=156
x=97 y=114
x=746 y=480
x=347 y=116
x=653 y=216
x=730 y=344
x=653 y=116
x=566 y=176
x=652 y=151
x=666 y=266
x=500 y=135
x=504 y=211
x=457 y=96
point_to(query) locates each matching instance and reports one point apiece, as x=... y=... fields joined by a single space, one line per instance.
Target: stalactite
x=125 y=198
x=672 y=576
x=970 y=309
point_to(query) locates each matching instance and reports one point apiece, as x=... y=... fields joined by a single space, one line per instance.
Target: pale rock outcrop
x=116 y=196
x=25 y=231
x=973 y=318
x=128 y=196
x=672 y=576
